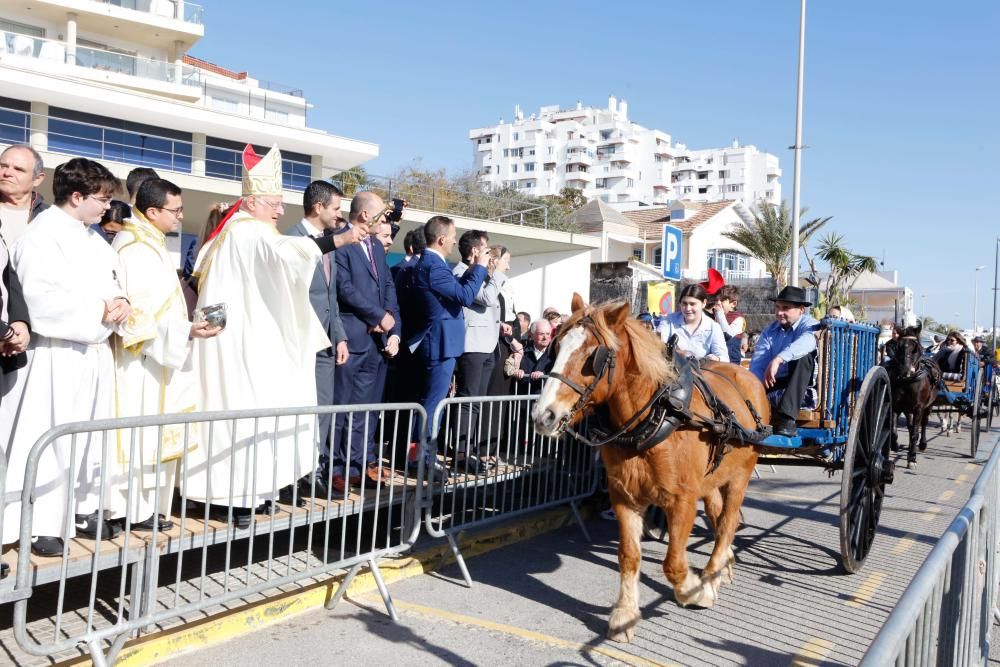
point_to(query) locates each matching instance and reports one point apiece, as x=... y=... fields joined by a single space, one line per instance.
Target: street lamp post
x=975 y=302
x=797 y=148
x=923 y=306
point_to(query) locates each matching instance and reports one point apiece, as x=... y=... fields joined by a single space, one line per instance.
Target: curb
x=155 y=648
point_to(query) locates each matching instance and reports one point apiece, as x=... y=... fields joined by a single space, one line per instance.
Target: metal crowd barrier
x=138 y=580
x=945 y=615
x=498 y=467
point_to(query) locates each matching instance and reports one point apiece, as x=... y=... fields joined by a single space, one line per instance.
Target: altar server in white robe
x=153 y=358
x=70 y=279
x=266 y=357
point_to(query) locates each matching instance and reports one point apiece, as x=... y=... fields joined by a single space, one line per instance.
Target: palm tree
x=351 y=180
x=845 y=267
x=769 y=236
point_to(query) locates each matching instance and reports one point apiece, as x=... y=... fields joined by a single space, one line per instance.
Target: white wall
x=549 y=279
x=708 y=236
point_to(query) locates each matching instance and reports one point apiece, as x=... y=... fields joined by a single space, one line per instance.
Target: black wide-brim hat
x=792 y=294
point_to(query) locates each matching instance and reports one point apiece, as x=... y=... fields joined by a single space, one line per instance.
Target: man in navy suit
x=438 y=338
x=370 y=314
x=321 y=203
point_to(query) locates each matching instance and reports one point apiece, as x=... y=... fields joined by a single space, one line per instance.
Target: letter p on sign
x=671 y=252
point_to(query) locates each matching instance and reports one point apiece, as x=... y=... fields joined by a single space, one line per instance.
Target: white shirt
x=706 y=339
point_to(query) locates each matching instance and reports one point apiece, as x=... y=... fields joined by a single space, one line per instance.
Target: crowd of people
x=100 y=320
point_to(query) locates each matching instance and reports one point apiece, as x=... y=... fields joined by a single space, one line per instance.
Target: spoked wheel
x=867 y=469
x=977 y=424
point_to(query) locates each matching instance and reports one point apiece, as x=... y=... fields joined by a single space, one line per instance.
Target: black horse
x=914 y=379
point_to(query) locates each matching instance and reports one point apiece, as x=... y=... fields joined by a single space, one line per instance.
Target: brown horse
x=673 y=474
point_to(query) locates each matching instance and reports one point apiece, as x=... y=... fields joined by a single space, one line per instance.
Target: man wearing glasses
x=70 y=278
x=267 y=357
x=151 y=353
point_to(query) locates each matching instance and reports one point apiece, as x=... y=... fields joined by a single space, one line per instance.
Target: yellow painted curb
x=154 y=648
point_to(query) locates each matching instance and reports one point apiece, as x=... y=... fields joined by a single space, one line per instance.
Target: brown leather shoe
x=377 y=475
x=338 y=484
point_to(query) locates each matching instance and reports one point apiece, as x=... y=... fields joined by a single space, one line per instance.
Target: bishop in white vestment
x=69 y=276
x=152 y=354
x=266 y=357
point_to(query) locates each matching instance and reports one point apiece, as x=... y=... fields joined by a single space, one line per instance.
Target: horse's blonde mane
x=647 y=348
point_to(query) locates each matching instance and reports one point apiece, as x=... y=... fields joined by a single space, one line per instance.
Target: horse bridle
x=602 y=362
x=911 y=377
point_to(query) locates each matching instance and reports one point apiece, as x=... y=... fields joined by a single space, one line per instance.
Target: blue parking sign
x=671 y=252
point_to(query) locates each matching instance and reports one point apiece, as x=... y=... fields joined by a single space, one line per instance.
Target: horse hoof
x=621 y=625
x=729 y=569
x=922 y=446
x=702 y=593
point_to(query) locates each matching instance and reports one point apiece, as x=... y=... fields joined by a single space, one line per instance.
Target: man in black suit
x=370 y=313
x=321 y=202
x=536 y=362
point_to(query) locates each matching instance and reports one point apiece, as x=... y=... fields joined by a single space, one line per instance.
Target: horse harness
x=666 y=410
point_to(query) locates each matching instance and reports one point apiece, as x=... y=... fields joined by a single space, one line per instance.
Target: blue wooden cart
x=964 y=396
x=849 y=430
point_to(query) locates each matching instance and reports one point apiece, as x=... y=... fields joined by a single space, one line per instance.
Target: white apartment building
x=112 y=80
x=601 y=152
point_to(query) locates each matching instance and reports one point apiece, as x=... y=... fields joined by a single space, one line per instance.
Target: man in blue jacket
x=438 y=337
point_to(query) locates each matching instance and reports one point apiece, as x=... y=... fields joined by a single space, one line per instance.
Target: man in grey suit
x=321 y=203
x=482 y=335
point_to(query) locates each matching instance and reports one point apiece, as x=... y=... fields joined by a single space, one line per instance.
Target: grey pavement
x=546 y=600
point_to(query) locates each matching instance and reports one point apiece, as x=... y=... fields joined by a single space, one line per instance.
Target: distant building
x=601 y=152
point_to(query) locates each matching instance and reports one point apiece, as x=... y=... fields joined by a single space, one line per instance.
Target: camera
x=395 y=215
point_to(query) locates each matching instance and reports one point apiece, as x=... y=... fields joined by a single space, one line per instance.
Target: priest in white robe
x=152 y=354
x=266 y=357
x=69 y=276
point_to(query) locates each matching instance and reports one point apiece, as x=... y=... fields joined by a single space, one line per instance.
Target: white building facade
x=607 y=156
x=114 y=82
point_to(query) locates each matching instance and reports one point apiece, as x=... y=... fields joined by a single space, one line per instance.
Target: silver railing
x=499 y=467
x=233 y=534
x=182 y=10
x=945 y=615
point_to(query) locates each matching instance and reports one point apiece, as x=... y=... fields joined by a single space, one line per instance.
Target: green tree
x=768 y=237
x=571 y=198
x=351 y=180
x=845 y=267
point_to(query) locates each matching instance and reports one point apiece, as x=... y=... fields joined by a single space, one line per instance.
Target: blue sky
x=902 y=97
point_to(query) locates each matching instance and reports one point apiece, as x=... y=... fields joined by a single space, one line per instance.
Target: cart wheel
x=977 y=424
x=992 y=407
x=867 y=469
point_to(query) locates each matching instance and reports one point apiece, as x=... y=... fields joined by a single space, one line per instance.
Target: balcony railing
x=192 y=13
x=77 y=138
x=48 y=50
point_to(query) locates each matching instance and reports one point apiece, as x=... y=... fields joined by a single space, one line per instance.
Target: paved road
x=546 y=600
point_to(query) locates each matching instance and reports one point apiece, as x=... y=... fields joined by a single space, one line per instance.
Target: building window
x=703 y=190
x=14 y=125
x=702 y=175
x=550 y=150
x=637 y=253
x=605 y=135
x=513 y=168
x=224 y=104
x=601 y=183
x=531 y=151
x=658 y=256
x=728 y=261
x=629 y=183
x=735 y=187
x=529 y=166
x=516 y=136
x=688 y=189
x=723 y=173
x=104 y=138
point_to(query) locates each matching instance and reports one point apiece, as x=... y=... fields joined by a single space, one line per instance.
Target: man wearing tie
x=321 y=202
x=438 y=339
x=370 y=315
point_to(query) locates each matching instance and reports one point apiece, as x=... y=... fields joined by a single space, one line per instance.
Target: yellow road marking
x=867 y=589
x=961 y=479
x=812 y=653
x=970 y=466
x=930 y=512
x=530 y=635
x=947 y=495
x=905 y=543
x=786 y=496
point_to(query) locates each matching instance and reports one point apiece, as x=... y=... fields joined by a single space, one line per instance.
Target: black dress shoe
x=785 y=427
x=472 y=465
x=87 y=524
x=163 y=522
x=288 y=495
x=306 y=490
x=4 y=570
x=47 y=546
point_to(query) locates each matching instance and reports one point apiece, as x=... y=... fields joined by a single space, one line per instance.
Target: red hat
x=714 y=283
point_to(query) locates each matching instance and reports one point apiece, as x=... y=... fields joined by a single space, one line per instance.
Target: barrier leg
x=383 y=591
x=458 y=559
x=756 y=473
x=116 y=647
x=579 y=521
x=96 y=654
x=136 y=597
x=343 y=586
